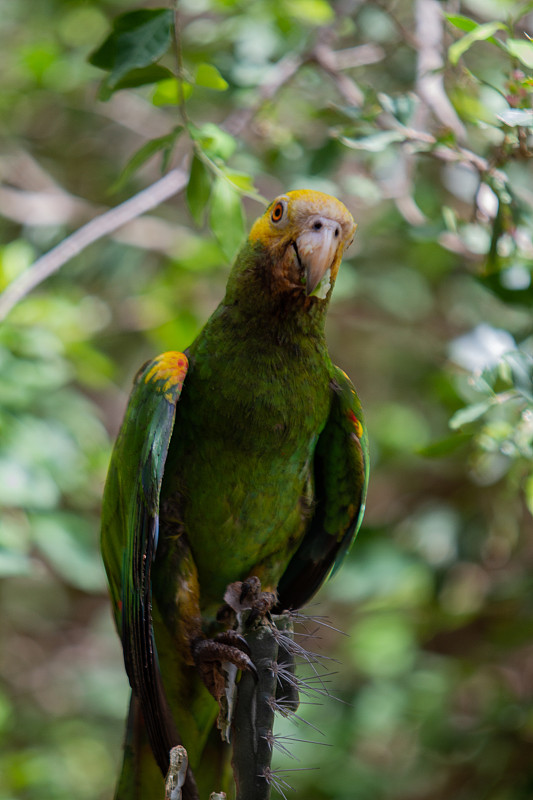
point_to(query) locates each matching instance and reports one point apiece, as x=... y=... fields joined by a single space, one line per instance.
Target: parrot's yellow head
x=307 y=233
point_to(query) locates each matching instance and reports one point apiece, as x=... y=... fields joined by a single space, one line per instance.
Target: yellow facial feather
x=299 y=209
x=299 y=206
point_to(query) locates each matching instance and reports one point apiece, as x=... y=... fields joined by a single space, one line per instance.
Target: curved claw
x=209 y=654
x=253 y=669
x=233 y=639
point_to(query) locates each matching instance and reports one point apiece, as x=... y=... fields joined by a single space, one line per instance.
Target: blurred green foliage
x=418 y=115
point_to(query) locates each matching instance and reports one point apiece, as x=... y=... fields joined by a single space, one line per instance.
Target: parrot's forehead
x=306 y=202
x=300 y=205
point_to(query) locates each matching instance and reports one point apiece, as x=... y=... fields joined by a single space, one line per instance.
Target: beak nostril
x=336 y=233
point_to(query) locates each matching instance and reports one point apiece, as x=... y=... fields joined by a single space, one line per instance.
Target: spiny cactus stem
x=254 y=714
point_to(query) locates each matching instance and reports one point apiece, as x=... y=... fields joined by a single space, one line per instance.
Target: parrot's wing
x=340 y=484
x=130 y=526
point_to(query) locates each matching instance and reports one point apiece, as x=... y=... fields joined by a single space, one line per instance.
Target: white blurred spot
x=516 y=277
x=435 y=535
x=482 y=348
x=461 y=180
x=487 y=201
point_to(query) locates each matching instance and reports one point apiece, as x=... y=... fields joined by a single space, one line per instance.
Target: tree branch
x=108 y=222
x=326 y=59
x=430 y=63
x=430 y=89
x=169 y=185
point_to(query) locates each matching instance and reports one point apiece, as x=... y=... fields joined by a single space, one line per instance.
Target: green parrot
x=245 y=455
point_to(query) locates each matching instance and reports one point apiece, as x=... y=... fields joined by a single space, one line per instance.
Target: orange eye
x=277 y=212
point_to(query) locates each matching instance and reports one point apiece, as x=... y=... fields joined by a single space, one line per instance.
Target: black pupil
x=277 y=212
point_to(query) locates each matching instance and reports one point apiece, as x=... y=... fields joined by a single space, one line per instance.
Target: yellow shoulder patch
x=169 y=368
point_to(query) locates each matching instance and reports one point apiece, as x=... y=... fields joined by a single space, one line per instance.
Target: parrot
x=244 y=456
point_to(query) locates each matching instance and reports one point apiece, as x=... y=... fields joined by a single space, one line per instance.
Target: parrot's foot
x=209 y=654
x=245 y=595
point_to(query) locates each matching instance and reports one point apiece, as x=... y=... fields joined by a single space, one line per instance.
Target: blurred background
x=417 y=114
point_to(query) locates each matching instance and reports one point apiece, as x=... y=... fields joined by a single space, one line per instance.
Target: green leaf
x=376 y=142
x=166 y=92
x=138 y=39
x=137 y=77
x=214 y=141
x=208 y=76
x=401 y=106
x=198 y=189
x=478 y=34
x=242 y=180
x=469 y=414
x=226 y=217
x=143 y=154
x=463 y=23
x=514 y=117
x=38 y=58
x=15 y=257
x=522 y=50
x=314 y=12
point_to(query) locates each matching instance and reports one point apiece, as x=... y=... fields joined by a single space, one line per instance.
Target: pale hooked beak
x=316 y=248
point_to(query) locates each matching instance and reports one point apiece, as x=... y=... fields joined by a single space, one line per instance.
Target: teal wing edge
x=341 y=469
x=130 y=528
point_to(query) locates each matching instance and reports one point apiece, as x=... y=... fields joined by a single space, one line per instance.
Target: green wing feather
x=340 y=483
x=130 y=527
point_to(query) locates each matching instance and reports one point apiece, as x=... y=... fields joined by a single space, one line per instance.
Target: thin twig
x=325 y=57
x=166 y=187
x=430 y=63
x=406 y=34
x=176 y=180
x=359 y=56
x=429 y=30
x=178 y=56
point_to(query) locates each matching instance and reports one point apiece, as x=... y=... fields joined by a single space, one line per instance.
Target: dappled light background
x=431 y=318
